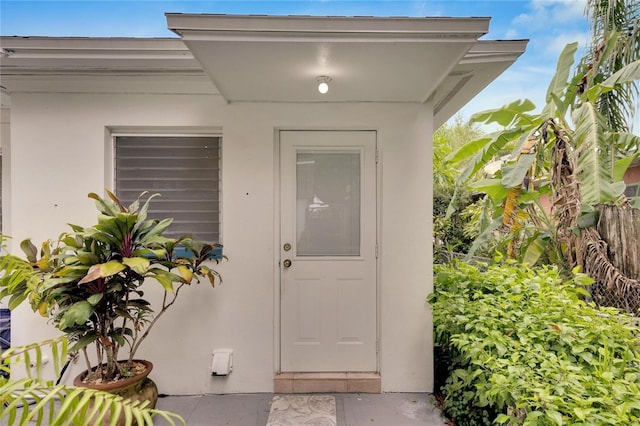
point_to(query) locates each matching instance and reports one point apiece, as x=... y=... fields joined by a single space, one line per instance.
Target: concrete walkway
x=391 y=409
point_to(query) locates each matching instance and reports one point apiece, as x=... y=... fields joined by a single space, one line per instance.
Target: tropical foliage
x=567 y=152
x=451 y=233
x=520 y=347
x=448 y=138
x=91 y=281
x=605 y=17
x=45 y=402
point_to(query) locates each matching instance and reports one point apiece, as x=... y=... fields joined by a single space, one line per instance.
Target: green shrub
x=449 y=233
x=522 y=348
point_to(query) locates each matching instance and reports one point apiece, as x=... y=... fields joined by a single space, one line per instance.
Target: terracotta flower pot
x=136 y=388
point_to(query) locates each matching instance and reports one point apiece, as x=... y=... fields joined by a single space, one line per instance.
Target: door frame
x=277 y=235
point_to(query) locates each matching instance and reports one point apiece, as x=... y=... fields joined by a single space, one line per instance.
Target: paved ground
x=390 y=409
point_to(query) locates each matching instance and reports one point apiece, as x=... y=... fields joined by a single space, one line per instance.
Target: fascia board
x=77 y=54
x=197 y=25
x=485 y=51
x=92 y=43
x=484 y=62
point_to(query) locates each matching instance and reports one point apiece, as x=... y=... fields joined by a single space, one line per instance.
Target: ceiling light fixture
x=323 y=83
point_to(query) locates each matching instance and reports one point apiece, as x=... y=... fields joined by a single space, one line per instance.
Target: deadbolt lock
x=286 y=247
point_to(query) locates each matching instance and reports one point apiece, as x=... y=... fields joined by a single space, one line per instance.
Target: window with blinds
x=185 y=170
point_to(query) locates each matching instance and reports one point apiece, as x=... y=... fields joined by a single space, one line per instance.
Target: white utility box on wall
x=222 y=363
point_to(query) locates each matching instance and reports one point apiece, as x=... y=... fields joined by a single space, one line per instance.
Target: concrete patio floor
x=390 y=409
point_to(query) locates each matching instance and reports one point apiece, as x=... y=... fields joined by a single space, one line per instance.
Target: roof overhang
x=485 y=61
x=104 y=65
x=274 y=59
x=278 y=59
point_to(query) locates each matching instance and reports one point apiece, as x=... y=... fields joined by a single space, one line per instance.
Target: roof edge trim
x=184 y=23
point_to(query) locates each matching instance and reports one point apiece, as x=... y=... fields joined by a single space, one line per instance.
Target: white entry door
x=328 y=251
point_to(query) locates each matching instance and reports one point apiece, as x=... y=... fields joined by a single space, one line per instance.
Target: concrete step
x=327 y=383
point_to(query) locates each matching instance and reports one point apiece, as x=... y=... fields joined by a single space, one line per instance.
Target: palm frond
x=36 y=399
x=485 y=151
x=598 y=265
x=607 y=54
x=593 y=169
x=41 y=401
x=558 y=85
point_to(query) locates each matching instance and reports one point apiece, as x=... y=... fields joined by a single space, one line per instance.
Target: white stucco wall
x=58 y=156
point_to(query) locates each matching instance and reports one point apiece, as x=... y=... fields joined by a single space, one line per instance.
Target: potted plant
x=91 y=284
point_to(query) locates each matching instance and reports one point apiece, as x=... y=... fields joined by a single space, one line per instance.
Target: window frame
x=112 y=133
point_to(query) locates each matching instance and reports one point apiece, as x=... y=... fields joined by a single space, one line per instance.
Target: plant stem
x=165 y=306
x=86 y=359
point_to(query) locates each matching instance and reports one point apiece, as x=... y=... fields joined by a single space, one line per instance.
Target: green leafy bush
x=522 y=348
x=449 y=235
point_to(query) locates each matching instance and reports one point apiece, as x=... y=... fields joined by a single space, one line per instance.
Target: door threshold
x=327 y=383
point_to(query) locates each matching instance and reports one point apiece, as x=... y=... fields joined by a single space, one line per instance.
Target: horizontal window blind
x=185 y=170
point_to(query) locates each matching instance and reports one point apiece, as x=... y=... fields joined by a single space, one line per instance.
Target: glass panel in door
x=328 y=203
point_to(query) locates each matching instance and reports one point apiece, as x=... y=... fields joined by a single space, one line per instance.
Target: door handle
x=286 y=263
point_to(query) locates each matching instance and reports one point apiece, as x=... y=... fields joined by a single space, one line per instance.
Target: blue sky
x=548 y=24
